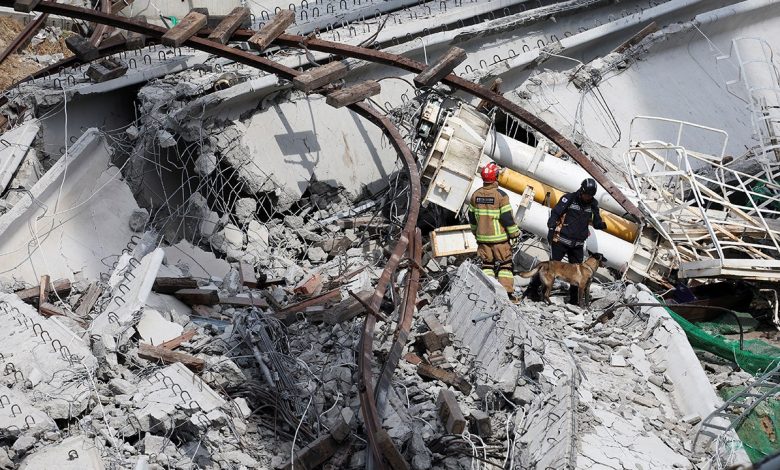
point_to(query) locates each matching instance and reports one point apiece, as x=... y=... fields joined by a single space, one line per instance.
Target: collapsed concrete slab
x=175 y=395
x=14 y=147
x=74 y=453
x=67 y=225
x=130 y=295
x=486 y=325
x=43 y=355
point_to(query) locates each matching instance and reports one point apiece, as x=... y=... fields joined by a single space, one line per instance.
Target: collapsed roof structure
x=232 y=235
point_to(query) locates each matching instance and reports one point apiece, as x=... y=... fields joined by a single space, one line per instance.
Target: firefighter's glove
x=514 y=242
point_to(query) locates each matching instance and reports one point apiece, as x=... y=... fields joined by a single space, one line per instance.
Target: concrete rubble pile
x=190 y=253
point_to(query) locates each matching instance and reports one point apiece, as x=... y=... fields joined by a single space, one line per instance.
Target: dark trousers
x=557 y=252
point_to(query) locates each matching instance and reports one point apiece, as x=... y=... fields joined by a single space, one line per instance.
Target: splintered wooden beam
x=185 y=29
x=89 y=300
x=272 y=30
x=26 y=5
x=62 y=286
x=43 y=290
x=177 y=341
x=320 y=76
x=353 y=94
x=135 y=40
x=169 y=285
x=118 y=6
x=441 y=68
x=156 y=353
x=229 y=25
x=81 y=47
x=198 y=296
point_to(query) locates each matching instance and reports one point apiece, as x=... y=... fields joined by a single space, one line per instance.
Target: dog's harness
x=588 y=268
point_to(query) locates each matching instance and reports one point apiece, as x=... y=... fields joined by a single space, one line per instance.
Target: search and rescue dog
x=577 y=274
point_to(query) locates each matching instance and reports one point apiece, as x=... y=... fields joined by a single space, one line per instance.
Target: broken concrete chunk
x=165 y=139
x=155 y=330
x=122 y=386
x=481 y=423
x=74 y=453
x=450 y=413
x=138 y=220
x=245 y=208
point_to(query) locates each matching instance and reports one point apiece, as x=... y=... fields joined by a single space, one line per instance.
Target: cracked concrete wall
x=71 y=226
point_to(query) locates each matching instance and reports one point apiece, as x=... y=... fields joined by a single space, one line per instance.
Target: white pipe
x=618 y=252
x=550 y=170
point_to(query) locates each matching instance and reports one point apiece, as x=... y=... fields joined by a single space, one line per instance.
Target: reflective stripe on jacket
x=490 y=215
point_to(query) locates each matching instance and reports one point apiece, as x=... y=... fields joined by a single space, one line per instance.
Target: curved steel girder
x=473 y=89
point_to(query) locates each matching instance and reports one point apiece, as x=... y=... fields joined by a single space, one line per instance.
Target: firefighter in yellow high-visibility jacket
x=493 y=225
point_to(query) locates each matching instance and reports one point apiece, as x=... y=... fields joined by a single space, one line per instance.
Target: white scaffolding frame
x=718 y=223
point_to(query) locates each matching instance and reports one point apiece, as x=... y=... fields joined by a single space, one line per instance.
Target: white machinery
x=693 y=224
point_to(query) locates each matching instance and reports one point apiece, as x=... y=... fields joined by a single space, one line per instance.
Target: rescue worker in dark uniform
x=568 y=230
x=493 y=225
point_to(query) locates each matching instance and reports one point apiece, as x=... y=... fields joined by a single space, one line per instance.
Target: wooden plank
x=271 y=30
x=198 y=296
x=320 y=76
x=26 y=5
x=229 y=25
x=314 y=454
x=43 y=291
x=389 y=451
x=449 y=378
x=185 y=29
x=441 y=68
x=120 y=5
x=156 y=353
x=61 y=286
x=50 y=310
x=81 y=47
x=495 y=87
x=135 y=40
x=176 y=342
x=353 y=94
x=89 y=299
x=244 y=302
x=169 y=285
x=106 y=69
x=247 y=275
x=101 y=31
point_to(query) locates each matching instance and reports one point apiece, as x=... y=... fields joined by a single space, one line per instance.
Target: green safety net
x=759 y=432
x=756 y=356
x=726 y=324
x=766 y=195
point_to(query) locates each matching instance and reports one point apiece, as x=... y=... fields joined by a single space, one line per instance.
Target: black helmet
x=588 y=186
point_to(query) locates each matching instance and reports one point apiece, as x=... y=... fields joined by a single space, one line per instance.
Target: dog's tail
x=533 y=271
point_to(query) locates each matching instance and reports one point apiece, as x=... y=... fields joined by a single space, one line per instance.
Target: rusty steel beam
x=102 y=31
x=473 y=89
x=23 y=37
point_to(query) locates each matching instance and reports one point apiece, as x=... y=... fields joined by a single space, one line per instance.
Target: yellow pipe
x=543 y=193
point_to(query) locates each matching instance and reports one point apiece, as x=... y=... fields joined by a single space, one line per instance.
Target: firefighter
x=490 y=216
x=568 y=230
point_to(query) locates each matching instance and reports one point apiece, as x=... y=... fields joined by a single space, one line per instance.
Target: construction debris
x=258 y=254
